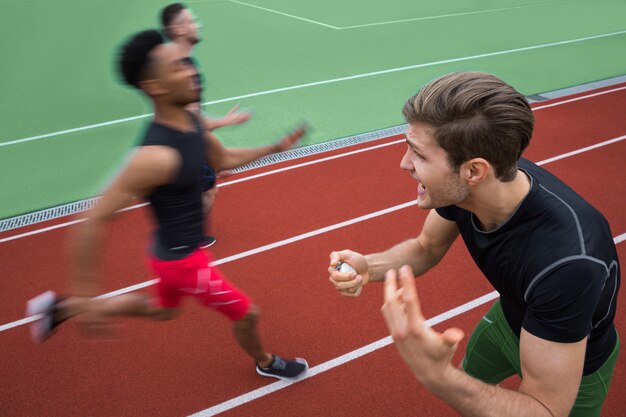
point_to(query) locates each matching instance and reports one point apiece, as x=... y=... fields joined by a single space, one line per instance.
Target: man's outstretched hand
x=291 y=139
x=427 y=352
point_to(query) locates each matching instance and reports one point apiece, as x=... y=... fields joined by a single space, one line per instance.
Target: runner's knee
x=254 y=311
x=249 y=321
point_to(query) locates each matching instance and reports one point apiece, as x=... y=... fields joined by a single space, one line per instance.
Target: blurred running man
x=166 y=169
x=180 y=26
x=550 y=255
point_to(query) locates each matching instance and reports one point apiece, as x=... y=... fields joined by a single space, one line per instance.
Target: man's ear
x=178 y=30
x=476 y=170
x=152 y=87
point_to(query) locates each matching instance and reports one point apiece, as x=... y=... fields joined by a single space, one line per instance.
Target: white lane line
x=355 y=354
x=74 y=130
x=136 y=287
x=599 y=93
x=261 y=249
x=417 y=66
x=121 y=291
x=582 y=150
x=61 y=225
x=444 y=16
x=19 y=322
x=70 y=223
x=333 y=363
x=224 y=184
x=245 y=254
x=330 y=81
x=284 y=14
x=316 y=232
x=38 y=231
x=316 y=161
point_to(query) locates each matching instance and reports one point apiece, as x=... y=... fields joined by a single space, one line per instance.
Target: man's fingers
x=352 y=292
x=294 y=137
x=344 y=277
x=334 y=258
x=351 y=288
x=392 y=310
x=234 y=109
x=390 y=286
x=339 y=256
x=350 y=282
x=453 y=336
x=297 y=133
x=410 y=298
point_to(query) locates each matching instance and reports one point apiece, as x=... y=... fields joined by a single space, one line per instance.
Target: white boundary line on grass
x=392 y=22
x=315 y=22
x=317 y=83
x=445 y=16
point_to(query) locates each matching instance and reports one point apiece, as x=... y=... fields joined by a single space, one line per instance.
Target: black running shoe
x=44 y=307
x=283 y=369
x=207 y=241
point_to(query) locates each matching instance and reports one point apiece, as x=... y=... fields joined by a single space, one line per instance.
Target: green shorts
x=492 y=355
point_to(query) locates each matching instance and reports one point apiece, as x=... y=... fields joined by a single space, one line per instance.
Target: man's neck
x=185 y=45
x=175 y=117
x=497 y=202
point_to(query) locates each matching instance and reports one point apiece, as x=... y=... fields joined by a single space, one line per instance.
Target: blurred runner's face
x=176 y=75
x=188 y=26
x=437 y=183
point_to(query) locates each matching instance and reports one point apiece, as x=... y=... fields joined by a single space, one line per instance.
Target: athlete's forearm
x=236 y=157
x=212 y=124
x=409 y=252
x=474 y=398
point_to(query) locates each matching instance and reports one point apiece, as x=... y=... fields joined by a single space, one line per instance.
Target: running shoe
x=283 y=369
x=43 y=307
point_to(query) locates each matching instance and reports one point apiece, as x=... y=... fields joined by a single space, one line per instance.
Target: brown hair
x=475 y=115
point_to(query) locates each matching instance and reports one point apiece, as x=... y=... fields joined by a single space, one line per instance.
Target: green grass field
x=347 y=67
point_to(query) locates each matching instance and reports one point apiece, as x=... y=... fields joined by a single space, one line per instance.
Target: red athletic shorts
x=194 y=276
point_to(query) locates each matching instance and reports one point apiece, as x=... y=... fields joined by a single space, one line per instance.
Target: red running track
x=192 y=364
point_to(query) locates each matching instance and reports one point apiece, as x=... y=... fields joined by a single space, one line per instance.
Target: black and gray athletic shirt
x=554 y=264
x=177 y=206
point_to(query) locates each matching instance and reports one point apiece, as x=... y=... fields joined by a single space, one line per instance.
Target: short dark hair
x=135 y=55
x=475 y=115
x=168 y=14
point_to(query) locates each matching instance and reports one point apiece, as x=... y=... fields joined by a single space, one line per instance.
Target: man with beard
x=548 y=252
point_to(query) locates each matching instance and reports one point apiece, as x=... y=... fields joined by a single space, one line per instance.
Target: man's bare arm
x=222 y=158
x=422 y=252
x=551 y=371
x=148 y=168
x=552 y=374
